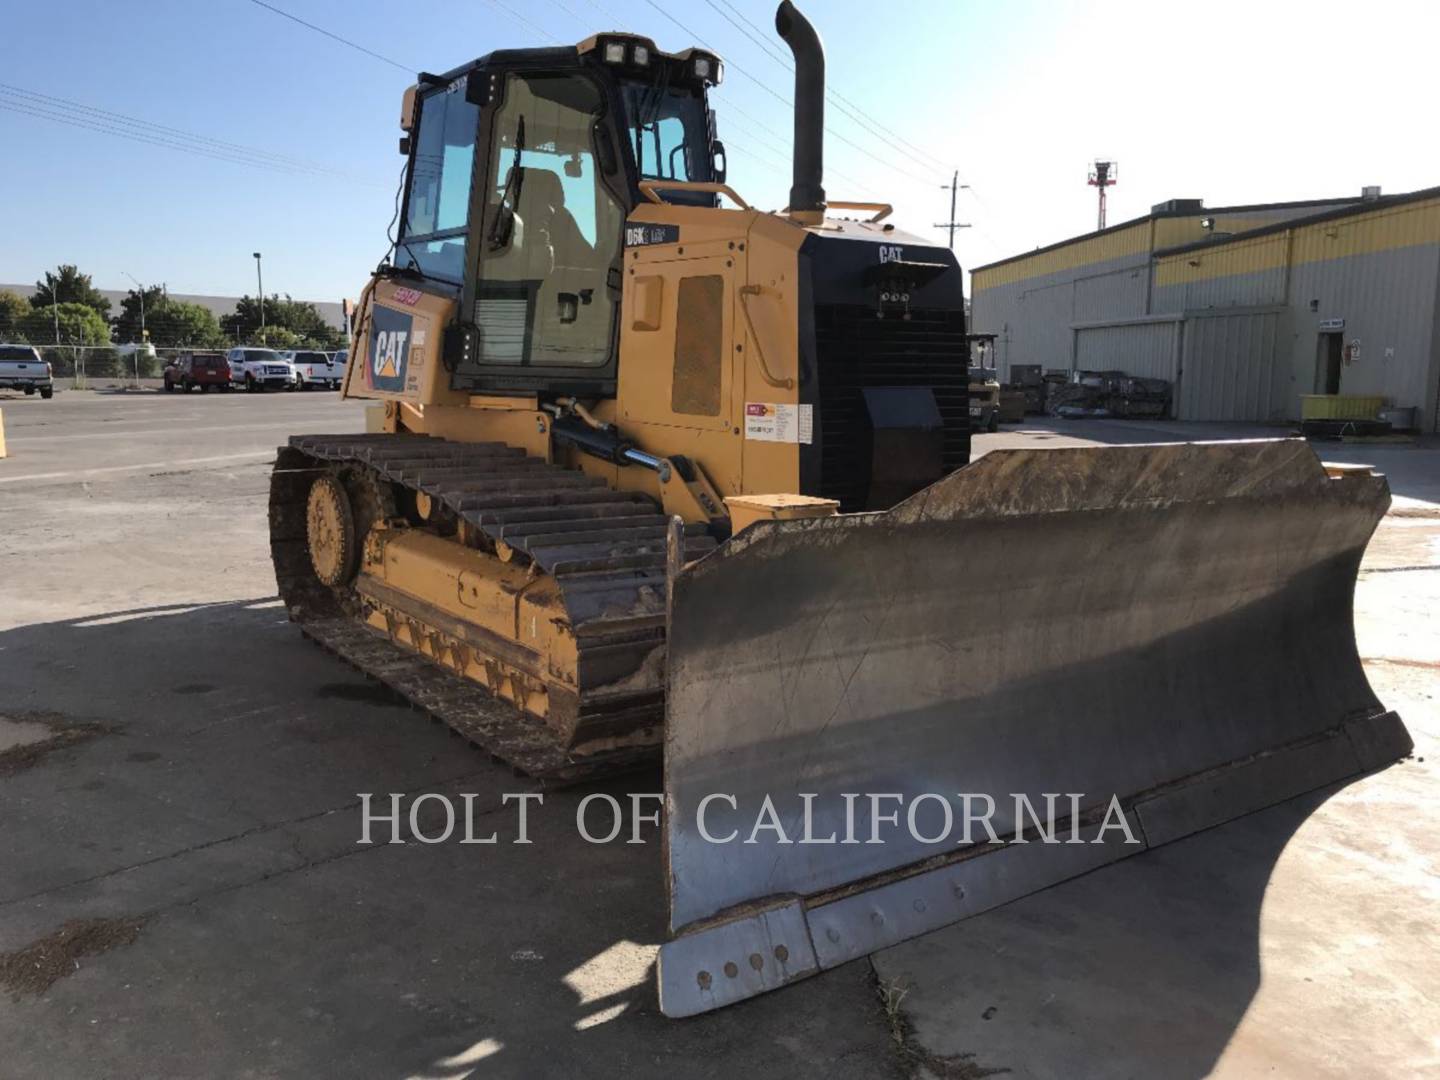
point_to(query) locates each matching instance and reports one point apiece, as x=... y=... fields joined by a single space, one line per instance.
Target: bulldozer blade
x=1159 y=638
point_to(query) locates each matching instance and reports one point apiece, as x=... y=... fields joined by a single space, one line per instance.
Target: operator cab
x=523 y=167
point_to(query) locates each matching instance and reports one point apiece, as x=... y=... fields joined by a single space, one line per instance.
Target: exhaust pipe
x=807 y=194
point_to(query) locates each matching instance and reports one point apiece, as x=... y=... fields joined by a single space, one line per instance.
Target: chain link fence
x=129 y=365
x=106 y=366
x=83 y=363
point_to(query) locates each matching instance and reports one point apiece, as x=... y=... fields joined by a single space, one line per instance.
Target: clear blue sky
x=1232 y=102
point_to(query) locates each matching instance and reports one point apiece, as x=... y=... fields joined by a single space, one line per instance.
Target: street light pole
x=260 y=286
x=140 y=292
x=55 y=310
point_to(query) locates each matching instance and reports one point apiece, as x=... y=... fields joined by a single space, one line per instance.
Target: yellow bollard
x=2 y=434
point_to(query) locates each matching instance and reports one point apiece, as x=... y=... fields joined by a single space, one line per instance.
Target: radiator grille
x=857 y=350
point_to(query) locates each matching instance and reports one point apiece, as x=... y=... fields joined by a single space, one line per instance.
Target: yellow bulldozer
x=663 y=475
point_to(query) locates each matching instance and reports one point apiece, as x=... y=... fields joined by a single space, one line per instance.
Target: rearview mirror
x=501 y=228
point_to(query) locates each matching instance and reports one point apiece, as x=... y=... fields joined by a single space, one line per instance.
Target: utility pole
x=954 y=186
x=260 y=285
x=1103 y=174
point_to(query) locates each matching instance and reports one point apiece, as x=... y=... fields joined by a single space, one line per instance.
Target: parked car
x=256 y=369
x=22 y=369
x=202 y=369
x=315 y=369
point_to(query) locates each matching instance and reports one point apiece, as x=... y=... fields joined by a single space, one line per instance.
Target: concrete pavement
x=211 y=790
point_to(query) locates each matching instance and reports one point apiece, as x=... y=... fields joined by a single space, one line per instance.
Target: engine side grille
x=857 y=350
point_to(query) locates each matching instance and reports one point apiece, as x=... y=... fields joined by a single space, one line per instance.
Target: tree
x=128 y=322
x=178 y=323
x=297 y=316
x=168 y=322
x=13 y=308
x=80 y=324
x=69 y=286
x=277 y=337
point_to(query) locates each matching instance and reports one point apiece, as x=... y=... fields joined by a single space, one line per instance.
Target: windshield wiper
x=504 y=223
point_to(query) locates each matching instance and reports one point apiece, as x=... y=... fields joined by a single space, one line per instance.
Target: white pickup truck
x=316 y=368
x=22 y=369
x=257 y=369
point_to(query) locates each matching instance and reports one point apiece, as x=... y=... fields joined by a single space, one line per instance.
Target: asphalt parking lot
x=201 y=798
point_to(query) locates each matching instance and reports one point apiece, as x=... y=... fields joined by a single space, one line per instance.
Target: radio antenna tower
x=1103 y=174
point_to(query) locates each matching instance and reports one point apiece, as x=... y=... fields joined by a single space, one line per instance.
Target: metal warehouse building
x=1243 y=308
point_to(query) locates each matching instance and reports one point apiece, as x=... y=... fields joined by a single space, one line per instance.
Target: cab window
x=669 y=136
x=432 y=239
x=551 y=232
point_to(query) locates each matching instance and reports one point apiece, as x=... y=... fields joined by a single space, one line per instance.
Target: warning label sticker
x=765 y=422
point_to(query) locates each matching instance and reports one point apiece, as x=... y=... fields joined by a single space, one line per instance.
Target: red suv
x=202 y=369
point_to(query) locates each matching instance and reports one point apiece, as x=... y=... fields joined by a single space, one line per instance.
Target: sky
x=1230 y=102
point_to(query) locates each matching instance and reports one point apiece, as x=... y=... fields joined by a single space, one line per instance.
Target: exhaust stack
x=807 y=193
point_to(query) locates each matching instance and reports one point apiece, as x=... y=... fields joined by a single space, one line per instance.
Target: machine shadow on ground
x=220 y=806
x=1142 y=968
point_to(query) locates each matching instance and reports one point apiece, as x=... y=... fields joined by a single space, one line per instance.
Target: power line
x=758 y=153
x=853 y=110
x=840 y=100
x=579 y=19
x=522 y=21
x=773 y=139
x=759 y=37
x=608 y=13
x=786 y=101
x=35 y=100
x=96 y=124
x=776 y=142
x=937 y=161
x=334 y=37
x=846 y=106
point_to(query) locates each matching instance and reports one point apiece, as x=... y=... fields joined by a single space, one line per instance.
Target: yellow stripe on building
x=1385 y=228
x=1141 y=238
x=1134 y=240
x=1226 y=259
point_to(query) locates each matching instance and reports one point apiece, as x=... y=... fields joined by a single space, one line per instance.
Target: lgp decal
x=645 y=235
x=389 y=350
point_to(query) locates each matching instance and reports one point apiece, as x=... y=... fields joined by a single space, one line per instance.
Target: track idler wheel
x=330 y=532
